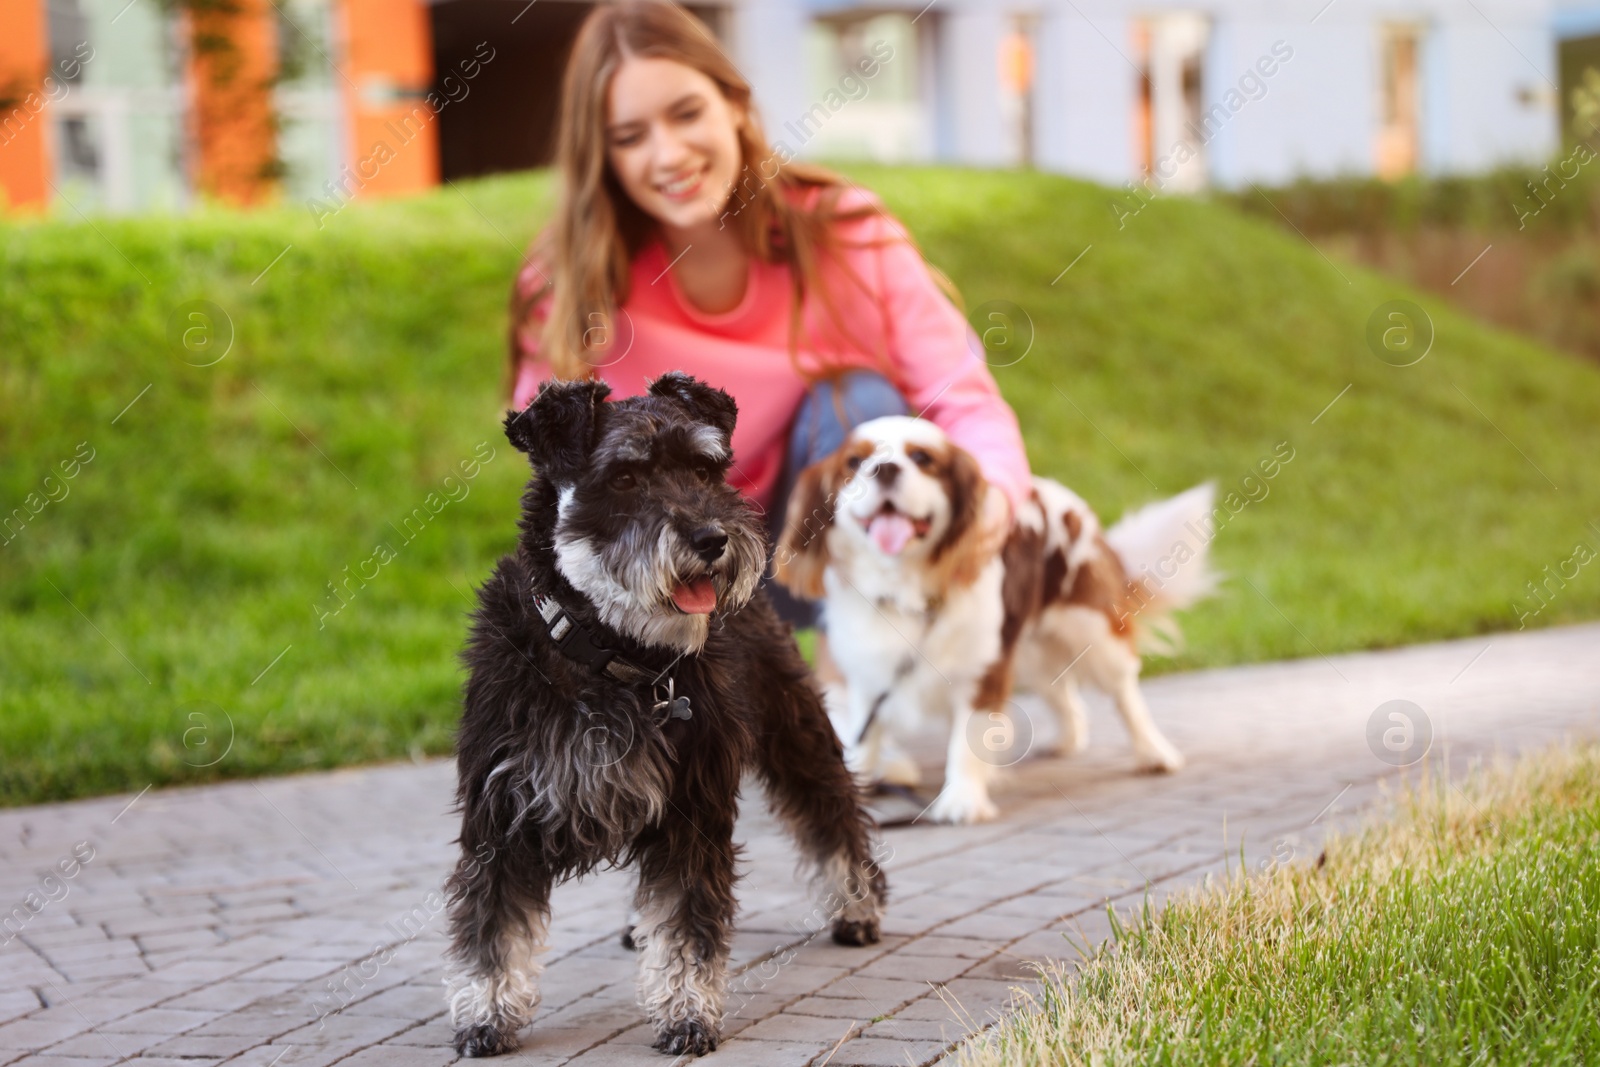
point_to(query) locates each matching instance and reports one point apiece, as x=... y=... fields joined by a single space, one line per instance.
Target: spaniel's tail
x=1165 y=548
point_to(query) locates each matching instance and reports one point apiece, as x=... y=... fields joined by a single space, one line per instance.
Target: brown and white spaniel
x=925 y=627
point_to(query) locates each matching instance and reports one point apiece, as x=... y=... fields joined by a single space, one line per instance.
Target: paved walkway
x=211 y=925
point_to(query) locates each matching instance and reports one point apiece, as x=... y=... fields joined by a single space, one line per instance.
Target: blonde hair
x=586 y=251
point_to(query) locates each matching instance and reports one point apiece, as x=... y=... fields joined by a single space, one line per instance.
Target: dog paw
x=690 y=1037
x=855 y=932
x=1160 y=758
x=476 y=1041
x=627 y=939
x=963 y=805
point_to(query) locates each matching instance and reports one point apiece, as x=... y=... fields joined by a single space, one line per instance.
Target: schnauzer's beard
x=630 y=578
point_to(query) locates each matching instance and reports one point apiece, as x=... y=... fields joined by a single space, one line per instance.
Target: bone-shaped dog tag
x=675 y=706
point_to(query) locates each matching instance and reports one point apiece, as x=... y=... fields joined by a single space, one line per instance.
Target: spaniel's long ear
x=557 y=430
x=958 y=554
x=802 y=553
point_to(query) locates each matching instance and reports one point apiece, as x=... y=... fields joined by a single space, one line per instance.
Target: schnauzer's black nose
x=708 y=543
x=885 y=473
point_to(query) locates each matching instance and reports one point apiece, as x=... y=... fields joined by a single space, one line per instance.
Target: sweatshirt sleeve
x=935 y=359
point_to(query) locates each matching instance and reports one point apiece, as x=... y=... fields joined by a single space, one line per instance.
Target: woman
x=682 y=241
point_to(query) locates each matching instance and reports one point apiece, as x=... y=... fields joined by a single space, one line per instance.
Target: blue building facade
x=1226 y=92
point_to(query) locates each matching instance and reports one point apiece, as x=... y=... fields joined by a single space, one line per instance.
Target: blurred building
x=134 y=104
x=124 y=105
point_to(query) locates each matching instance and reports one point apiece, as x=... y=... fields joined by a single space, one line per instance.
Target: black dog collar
x=576 y=643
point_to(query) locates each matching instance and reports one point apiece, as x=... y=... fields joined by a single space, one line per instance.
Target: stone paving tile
x=630 y=1048
x=230 y=996
x=763 y=1054
x=84 y=1009
x=89 y=970
x=277 y=1055
x=913 y=968
x=776 y=977
x=1018 y=967
x=405 y=1001
x=984 y=924
x=898 y=1028
x=294 y=970
x=145 y=992
x=822 y=952
x=391 y=1056
x=1045 y=906
x=884 y=1052
x=101 y=1043
x=35 y=1033
x=888 y=991
x=749 y=1008
x=853 y=1009
x=798 y=1028
x=262 y=1056
x=16 y=1004
x=188 y=1045
x=591 y=1014
x=206 y=930
x=955 y=947
x=158 y=1021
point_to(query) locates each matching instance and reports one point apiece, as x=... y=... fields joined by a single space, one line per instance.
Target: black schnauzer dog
x=624 y=671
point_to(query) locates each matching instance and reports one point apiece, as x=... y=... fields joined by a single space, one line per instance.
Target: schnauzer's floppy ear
x=802 y=553
x=706 y=401
x=556 y=430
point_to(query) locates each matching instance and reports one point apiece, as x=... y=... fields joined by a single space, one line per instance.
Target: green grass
x=1528 y=233
x=1558 y=197
x=199 y=542
x=1464 y=932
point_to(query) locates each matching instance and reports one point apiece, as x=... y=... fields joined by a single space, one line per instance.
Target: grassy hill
x=166 y=612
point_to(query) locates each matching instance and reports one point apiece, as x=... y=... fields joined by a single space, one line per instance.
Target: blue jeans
x=830 y=410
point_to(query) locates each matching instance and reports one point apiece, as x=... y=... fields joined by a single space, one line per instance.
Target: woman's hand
x=996 y=521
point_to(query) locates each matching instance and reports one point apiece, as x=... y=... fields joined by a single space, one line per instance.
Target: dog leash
x=900 y=673
x=576 y=643
x=930 y=615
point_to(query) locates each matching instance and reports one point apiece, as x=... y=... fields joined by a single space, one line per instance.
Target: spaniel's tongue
x=698 y=597
x=890 y=531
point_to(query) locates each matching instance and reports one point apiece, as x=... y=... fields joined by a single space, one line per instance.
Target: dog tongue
x=698 y=597
x=891 y=532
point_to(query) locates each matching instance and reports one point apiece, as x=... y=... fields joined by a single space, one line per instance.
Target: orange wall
x=394 y=134
x=24 y=57
x=233 y=101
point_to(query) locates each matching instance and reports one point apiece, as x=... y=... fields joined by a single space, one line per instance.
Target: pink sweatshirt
x=927 y=350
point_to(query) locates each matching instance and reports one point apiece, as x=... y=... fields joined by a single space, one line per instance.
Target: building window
x=68 y=28
x=1016 y=88
x=306 y=98
x=1171 y=127
x=75 y=132
x=1399 y=129
x=116 y=134
x=864 y=99
x=79 y=145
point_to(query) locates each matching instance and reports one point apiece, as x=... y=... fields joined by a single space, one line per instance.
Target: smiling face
x=898 y=492
x=672 y=140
